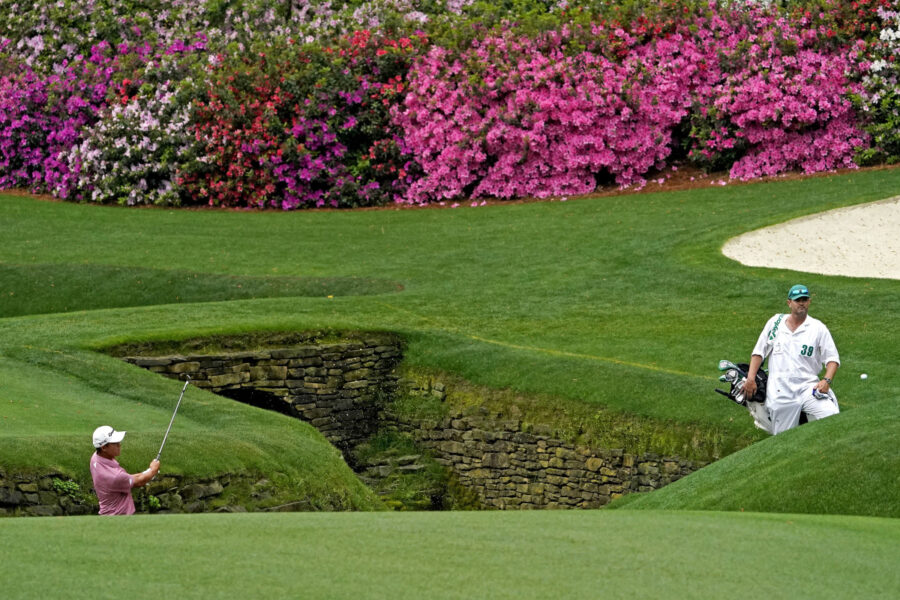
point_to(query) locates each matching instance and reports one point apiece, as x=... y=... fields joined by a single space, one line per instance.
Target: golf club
x=730 y=376
x=735 y=376
x=724 y=365
x=172 y=420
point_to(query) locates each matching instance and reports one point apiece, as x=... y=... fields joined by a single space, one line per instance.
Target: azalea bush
x=515 y=116
x=47 y=32
x=879 y=100
x=791 y=113
x=305 y=126
x=131 y=155
x=42 y=116
x=843 y=21
x=779 y=103
x=176 y=124
x=555 y=114
x=305 y=103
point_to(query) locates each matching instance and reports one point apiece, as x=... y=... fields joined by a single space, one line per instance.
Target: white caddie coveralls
x=795 y=360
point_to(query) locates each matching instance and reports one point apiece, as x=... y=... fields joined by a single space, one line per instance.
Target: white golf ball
x=863 y=376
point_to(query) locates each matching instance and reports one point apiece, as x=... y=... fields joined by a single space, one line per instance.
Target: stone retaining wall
x=510 y=466
x=333 y=386
x=52 y=494
x=36 y=496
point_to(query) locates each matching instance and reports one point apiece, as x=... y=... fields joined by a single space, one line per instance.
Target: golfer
x=797 y=346
x=111 y=482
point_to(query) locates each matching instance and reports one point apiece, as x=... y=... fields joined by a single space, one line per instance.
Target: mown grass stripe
x=549 y=351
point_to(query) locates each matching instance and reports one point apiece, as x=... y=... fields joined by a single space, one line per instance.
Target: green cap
x=798 y=291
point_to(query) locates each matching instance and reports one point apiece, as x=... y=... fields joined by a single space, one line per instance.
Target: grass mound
x=846 y=464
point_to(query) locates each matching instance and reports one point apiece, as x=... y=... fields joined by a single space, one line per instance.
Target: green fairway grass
x=622 y=303
x=35 y=289
x=547 y=554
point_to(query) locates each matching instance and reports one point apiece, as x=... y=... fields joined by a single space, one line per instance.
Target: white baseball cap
x=105 y=434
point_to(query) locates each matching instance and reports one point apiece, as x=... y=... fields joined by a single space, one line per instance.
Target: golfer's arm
x=755 y=363
x=144 y=477
x=141 y=479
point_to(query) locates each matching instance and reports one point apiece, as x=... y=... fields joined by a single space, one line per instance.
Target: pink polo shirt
x=113 y=486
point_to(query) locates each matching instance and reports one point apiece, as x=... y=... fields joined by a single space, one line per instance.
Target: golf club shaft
x=172 y=420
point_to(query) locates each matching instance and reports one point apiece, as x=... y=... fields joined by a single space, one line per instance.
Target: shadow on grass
x=54 y=288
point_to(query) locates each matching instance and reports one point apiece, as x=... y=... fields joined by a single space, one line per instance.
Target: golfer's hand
x=154 y=466
x=750 y=388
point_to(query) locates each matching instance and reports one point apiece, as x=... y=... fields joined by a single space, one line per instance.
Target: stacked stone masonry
x=36 y=496
x=53 y=494
x=514 y=466
x=512 y=469
x=334 y=387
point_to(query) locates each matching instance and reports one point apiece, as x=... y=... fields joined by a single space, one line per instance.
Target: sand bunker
x=858 y=241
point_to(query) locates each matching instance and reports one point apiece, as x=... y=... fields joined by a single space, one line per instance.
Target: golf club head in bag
x=736 y=375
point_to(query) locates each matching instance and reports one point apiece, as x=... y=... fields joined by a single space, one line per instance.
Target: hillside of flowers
x=310 y=103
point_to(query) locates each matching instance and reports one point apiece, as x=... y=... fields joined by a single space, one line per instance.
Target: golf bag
x=736 y=375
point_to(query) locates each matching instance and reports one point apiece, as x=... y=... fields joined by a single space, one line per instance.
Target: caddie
x=797 y=347
x=111 y=481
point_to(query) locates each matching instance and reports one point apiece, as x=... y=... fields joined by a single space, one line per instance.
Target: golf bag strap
x=774 y=331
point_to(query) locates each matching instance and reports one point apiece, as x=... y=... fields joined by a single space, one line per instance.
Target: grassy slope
x=848 y=465
x=622 y=302
x=517 y=555
x=64 y=288
x=51 y=401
